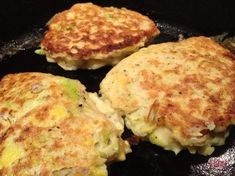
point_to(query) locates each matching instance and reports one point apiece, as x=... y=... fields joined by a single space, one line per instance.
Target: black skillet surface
x=17 y=55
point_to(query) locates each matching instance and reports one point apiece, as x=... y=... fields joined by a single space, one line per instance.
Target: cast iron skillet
x=19 y=39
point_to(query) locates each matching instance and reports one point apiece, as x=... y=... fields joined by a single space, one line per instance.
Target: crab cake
x=89 y=36
x=50 y=126
x=176 y=95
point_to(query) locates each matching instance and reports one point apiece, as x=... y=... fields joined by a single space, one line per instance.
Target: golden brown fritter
x=50 y=126
x=179 y=95
x=89 y=36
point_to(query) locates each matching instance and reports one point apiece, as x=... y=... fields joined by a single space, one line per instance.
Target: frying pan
x=22 y=25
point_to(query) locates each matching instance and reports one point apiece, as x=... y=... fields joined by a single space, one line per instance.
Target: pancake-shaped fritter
x=50 y=126
x=90 y=36
x=178 y=95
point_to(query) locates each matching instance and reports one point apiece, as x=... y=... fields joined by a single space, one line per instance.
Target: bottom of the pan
x=146 y=159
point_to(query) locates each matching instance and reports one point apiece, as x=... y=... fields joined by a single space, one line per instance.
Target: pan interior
x=18 y=56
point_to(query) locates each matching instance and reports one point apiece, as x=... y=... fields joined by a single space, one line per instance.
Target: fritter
x=178 y=95
x=49 y=125
x=90 y=36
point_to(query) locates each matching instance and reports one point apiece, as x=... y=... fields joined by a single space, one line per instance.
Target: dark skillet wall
x=207 y=16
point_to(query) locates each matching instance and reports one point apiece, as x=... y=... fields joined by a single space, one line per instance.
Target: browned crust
x=212 y=113
x=129 y=33
x=51 y=129
x=189 y=106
